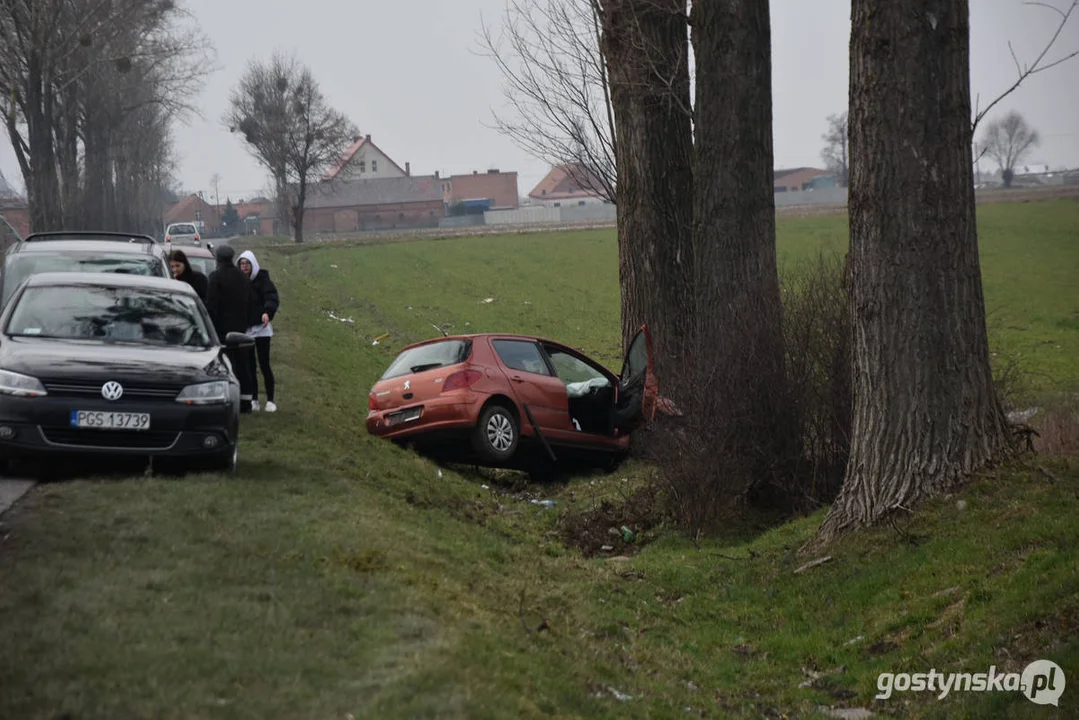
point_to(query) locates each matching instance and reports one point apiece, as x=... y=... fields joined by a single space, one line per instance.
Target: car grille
x=65 y=389
x=141 y=439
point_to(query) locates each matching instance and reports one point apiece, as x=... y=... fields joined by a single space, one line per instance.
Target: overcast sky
x=409 y=73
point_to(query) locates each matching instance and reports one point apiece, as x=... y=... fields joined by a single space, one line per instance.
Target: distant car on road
x=81 y=251
x=96 y=364
x=181 y=234
x=492 y=391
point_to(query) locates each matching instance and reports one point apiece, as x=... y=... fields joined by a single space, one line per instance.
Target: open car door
x=637 y=385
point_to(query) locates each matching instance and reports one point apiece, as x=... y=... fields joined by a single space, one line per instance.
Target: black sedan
x=106 y=364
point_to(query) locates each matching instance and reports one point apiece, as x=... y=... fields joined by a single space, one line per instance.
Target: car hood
x=89 y=360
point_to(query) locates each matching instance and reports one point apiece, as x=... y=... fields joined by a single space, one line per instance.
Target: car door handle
x=517 y=379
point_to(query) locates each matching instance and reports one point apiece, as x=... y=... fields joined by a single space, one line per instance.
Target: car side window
x=521 y=355
x=572 y=369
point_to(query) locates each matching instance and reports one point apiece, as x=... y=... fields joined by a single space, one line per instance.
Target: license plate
x=102 y=420
x=403 y=416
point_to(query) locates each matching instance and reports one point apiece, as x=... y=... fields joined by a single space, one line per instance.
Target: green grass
x=339 y=575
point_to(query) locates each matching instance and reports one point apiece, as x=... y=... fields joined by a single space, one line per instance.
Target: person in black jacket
x=233 y=307
x=182 y=270
x=262 y=331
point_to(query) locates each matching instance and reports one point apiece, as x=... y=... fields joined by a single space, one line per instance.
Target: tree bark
x=734 y=235
x=925 y=412
x=43 y=183
x=646 y=45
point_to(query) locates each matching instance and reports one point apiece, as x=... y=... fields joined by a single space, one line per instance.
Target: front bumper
x=43 y=426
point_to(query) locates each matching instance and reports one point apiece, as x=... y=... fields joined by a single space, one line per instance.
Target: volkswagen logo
x=112 y=390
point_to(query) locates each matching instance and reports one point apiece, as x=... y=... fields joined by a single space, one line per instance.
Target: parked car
x=494 y=391
x=98 y=364
x=179 y=234
x=202 y=259
x=81 y=251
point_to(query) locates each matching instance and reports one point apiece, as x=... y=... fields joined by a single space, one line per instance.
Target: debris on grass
x=334 y=316
x=380 y=338
x=813 y=563
x=623 y=527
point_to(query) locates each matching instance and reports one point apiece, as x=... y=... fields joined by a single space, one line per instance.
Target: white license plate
x=101 y=420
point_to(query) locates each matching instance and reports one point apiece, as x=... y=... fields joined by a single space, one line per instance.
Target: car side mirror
x=238 y=341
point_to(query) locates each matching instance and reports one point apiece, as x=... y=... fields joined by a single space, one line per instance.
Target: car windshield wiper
x=425 y=366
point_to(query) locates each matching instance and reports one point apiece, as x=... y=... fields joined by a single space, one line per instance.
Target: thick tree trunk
x=734 y=236
x=646 y=45
x=43 y=185
x=926 y=413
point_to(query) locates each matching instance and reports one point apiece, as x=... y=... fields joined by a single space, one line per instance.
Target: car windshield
x=109 y=314
x=203 y=265
x=182 y=230
x=19 y=267
x=428 y=357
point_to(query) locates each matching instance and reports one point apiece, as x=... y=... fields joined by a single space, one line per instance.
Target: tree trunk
x=925 y=412
x=734 y=235
x=646 y=46
x=43 y=185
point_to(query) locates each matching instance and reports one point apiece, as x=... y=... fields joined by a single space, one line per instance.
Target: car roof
x=182 y=222
x=197 y=252
x=477 y=336
x=88 y=246
x=97 y=279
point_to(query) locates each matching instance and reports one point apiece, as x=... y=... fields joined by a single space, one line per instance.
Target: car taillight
x=461 y=379
x=168 y=238
x=371 y=404
x=196 y=237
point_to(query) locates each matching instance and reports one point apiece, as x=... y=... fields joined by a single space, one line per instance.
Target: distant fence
x=816 y=196
x=461 y=221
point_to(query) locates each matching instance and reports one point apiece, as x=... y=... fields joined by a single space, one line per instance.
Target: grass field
x=340 y=576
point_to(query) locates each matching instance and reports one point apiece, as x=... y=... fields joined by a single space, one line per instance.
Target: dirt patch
x=612 y=529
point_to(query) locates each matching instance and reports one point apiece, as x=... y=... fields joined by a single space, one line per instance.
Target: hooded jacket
x=268 y=299
x=230 y=297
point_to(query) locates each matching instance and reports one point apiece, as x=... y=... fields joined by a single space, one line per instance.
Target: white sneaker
x=254 y=406
x=271 y=407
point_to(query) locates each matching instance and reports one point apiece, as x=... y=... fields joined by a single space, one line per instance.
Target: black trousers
x=245 y=373
x=261 y=355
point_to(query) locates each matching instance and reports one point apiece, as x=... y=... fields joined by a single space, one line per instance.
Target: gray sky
x=409 y=73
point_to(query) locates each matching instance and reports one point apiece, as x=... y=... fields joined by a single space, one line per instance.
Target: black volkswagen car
x=113 y=364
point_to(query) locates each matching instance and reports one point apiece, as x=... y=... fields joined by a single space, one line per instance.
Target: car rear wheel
x=496 y=434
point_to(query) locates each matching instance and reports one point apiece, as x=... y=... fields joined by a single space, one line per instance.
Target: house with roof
x=803 y=178
x=570 y=184
x=259 y=217
x=192 y=209
x=357 y=204
x=364 y=159
x=496 y=190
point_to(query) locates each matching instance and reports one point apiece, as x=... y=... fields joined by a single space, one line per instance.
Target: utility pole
x=215 y=181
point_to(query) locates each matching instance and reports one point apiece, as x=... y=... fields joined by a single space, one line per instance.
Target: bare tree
x=926 y=413
x=72 y=72
x=836 y=148
x=1040 y=63
x=1008 y=140
x=557 y=88
x=288 y=127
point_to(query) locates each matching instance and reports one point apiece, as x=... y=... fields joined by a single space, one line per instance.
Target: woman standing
x=182 y=270
x=268 y=303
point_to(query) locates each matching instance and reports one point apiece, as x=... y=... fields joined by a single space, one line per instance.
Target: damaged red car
x=485 y=396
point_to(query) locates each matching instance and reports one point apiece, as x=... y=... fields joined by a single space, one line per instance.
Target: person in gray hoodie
x=268 y=301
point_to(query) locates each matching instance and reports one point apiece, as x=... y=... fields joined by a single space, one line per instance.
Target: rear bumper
x=439 y=415
x=37 y=426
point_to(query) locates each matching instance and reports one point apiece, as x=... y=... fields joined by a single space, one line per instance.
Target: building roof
x=797 y=176
x=568 y=181
x=357 y=143
x=184 y=211
x=375 y=191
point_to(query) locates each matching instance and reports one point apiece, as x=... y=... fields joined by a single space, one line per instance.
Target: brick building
x=374 y=204
x=498 y=187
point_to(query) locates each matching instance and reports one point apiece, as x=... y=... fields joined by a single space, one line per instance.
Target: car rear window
x=428 y=357
x=183 y=230
x=19 y=267
x=203 y=265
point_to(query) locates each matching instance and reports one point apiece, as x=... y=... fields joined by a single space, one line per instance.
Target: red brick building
x=498 y=187
x=374 y=204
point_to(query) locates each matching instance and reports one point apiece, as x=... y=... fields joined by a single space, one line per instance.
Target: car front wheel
x=496 y=434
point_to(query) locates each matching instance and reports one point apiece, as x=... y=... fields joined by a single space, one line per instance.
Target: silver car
x=182 y=234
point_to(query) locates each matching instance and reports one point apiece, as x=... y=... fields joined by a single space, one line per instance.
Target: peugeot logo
x=408 y=384
x=112 y=390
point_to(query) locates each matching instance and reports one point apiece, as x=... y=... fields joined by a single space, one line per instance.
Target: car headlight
x=20 y=385
x=210 y=393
